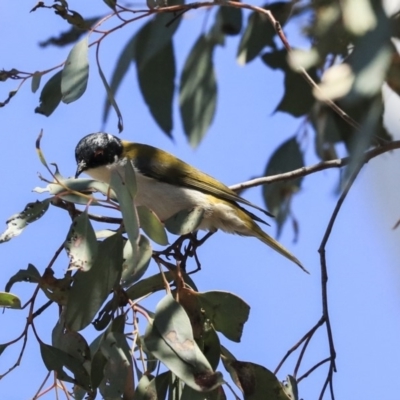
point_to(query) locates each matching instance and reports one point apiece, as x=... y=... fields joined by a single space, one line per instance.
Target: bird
x=168 y=185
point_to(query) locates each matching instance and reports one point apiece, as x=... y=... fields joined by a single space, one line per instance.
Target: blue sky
x=362 y=254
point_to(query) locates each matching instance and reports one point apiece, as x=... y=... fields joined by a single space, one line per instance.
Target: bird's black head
x=96 y=150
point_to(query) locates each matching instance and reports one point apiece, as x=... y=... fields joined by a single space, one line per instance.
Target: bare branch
x=304 y=171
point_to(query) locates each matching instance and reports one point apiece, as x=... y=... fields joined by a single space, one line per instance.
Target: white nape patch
x=166 y=200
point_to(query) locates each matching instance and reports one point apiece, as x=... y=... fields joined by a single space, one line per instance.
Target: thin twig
x=312 y=369
x=310 y=333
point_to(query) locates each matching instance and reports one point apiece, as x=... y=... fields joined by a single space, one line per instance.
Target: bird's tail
x=271 y=242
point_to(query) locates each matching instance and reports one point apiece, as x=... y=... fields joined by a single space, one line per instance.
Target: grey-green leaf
x=124 y=190
x=185 y=221
x=260 y=32
x=217 y=306
x=156 y=80
x=31 y=274
x=81 y=244
x=91 y=288
x=136 y=262
x=75 y=73
x=277 y=196
x=50 y=95
x=171 y=341
x=35 y=82
x=56 y=359
x=152 y=226
x=198 y=91
x=18 y=222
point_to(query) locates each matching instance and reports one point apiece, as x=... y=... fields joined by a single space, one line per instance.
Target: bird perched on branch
x=167 y=185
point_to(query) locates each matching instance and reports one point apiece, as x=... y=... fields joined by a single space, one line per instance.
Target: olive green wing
x=158 y=164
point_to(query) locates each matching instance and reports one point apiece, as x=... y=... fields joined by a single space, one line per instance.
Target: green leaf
x=156 y=80
x=278 y=195
x=24 y=275
x=18 y=222
x=136 y=262
x=255 y=381
x=75 y=73
x=118 y=372
x=71 y=342
x=35 y=82
x=154 y=36
x=91 y=288
x=50 y=96
x=185 y=221
x=55 y=360
x=149 y=285
x=121 y=68
x=10 y=300
x=260 y=33
x=298 y=98
x=217 y=307
x=198 y=91
x=81 y=244
x=231 y=20
x=150 y=388
x=123 y=187
x=171 y=341
x=79 y=185
x=152 y=226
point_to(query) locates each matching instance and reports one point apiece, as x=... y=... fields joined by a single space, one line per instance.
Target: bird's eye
x=98 y=152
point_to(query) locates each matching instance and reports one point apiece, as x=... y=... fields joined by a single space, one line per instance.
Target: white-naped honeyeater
x=167 y=185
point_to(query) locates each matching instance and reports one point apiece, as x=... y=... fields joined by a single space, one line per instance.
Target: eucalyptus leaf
x=91 y=288
x=198 y=91
x=56 y=360
x=298 y=98
x=156 y=80
x=152 y=226
x=118 y=372
x=217 y=307
x=18 y=222
x=149 y=285
x=260 y=32
x=31 y=274
x=50 y=95
x=278 y=195
x=75 y=73
x=153 y=388
x=185 y=221
x=136 y=262
x=9 y=300
x=81 y=244
x=200 y=376
x=124 y=191
x=177 y=349
x=255 y=381
x=35 y=82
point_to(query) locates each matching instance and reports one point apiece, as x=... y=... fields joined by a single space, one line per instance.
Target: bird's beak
x=80 y=169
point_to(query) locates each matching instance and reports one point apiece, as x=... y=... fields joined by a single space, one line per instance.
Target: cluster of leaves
x=356 y=57
x=108 y=267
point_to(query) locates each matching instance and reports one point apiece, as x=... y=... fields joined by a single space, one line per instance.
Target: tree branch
x=304 y=171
